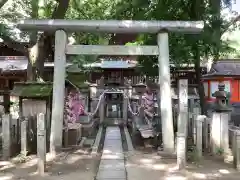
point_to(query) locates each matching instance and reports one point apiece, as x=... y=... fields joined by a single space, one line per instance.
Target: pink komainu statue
x=74 y=107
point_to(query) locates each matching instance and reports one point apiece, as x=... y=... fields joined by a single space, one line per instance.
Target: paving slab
x=112 y=164
x=112 y=143
x=109 y=179
x=112 y=151
x=109 y=137
x=111 y=174
x=112 y=156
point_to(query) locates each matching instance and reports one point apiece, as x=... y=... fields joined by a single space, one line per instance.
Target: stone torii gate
x=113 y=26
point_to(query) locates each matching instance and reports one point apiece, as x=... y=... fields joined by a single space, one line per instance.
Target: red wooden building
x=227 y=71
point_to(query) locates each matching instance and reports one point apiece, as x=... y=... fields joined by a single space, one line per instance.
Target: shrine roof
x=18 y=63
x=113 y=64
x=224 y=68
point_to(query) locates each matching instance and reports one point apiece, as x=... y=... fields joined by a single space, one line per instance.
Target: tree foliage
x=209 y=42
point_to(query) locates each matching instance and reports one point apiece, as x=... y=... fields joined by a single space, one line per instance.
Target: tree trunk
x=36 y=56
x=42 y=48
x=197 y=11
x=197 y=67
x=215 y=7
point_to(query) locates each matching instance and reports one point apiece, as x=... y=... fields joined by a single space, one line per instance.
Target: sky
x=233 y=36
x=236 y=6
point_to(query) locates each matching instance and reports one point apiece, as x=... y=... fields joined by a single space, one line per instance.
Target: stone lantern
x=220 y=121
x=222 y=99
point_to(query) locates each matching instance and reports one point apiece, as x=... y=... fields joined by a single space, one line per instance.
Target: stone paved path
x=112 y=164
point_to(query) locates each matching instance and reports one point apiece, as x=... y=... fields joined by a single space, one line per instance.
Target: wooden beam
x=111 y=50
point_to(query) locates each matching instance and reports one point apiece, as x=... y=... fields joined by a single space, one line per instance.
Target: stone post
x=126 y=96
x=206 y=134
x=6 y=136
x=181 y=150
x=125 y=110
x=102 y=109
x=41 y=144
x=196 y=113
x=182 y=122
x=199 y=129
x=236 y=149
x=190 y=117
x=165 y=92
x=58 y=99
x=24 y=124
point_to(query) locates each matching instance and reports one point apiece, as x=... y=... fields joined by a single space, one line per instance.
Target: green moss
x=78 y=79
x=32 y=89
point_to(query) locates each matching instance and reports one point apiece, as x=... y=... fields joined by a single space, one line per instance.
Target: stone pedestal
x=219 y=132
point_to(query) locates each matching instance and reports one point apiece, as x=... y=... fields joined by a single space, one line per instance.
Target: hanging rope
x=99 y=102
x=147 y=119
x=130 y=108
x=129 y=104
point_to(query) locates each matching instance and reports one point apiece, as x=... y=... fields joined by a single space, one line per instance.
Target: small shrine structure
x=226 y=72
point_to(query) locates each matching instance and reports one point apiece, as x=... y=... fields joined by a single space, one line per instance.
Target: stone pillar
x=24 y=122
x=58 y=91
x=236 y=149
x=206 y=134
x=41 y=143
x=181 y=150
x=182 y=123
x=165 y=92
x=6 y=136
x=219 y=132
x=102 y=109
x=125 y=109
x=190 y=117
x=196 y=113
x=199 y=137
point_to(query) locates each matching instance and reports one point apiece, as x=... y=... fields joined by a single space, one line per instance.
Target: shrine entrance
x=161 y=50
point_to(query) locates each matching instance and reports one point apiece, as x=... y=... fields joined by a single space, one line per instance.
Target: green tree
x=40 y=45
